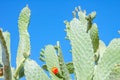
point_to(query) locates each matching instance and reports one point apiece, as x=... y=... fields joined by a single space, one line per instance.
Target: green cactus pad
x=82 y=50
x=24 y=42
x=33 y=71
x=111 y=57
x=51 y=59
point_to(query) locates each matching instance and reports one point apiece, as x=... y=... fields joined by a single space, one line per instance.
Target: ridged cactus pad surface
x=24 y=42
x=33 y=71
x=110 y=59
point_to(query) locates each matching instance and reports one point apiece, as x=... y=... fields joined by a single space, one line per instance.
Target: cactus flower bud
x=1 y=72
x=55 y=70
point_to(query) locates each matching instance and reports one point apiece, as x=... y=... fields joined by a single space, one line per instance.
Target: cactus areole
x=55 y=70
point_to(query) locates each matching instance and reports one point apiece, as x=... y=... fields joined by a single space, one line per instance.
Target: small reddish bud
x=55 y=70
x=1 y=72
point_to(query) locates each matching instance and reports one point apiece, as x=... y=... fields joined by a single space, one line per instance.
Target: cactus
x=91 y=58
x=5 y=51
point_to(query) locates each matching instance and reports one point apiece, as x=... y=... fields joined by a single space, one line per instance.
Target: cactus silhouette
x=91 y=58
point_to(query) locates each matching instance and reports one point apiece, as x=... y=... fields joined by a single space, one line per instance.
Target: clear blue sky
x=47 y=27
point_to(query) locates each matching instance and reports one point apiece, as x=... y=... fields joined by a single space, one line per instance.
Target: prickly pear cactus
x=86 y=46
x=91 y=58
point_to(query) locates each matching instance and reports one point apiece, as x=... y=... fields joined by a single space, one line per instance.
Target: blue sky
x=47 y=27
